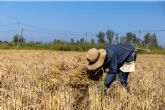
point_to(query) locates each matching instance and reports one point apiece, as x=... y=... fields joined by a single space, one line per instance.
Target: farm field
x=58 y=80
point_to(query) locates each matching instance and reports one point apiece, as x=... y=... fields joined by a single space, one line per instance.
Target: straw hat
x=95 y=58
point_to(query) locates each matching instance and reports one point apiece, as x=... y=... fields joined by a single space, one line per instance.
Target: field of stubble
x=53 y=80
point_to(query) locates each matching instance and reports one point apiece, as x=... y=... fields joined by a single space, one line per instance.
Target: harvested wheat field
x=54 y=80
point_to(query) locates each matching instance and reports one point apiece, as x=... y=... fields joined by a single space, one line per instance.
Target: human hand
x=105 y=90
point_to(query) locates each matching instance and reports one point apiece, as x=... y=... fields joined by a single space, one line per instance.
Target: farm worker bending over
x=120 y=59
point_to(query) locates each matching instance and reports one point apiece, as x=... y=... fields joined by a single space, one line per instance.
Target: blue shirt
x=116 y=55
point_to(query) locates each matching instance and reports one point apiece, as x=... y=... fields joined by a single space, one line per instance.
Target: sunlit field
x=56 y=80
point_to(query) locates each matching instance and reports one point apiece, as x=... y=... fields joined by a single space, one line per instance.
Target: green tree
x=101 y=37
x=116 y=39
x=57 y=41
x=130 y=36
x=154 y=41
x=18 y=39
x=147 y=39
x=72 y=40
x=92 y=41
x=136 y=41
x=82 y=41
x=109 y=35
x=151 y=40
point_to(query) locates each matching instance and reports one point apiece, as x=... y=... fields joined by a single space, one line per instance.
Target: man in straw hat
x=118 y=58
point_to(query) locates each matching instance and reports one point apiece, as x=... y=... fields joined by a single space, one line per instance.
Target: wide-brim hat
x=95 y=58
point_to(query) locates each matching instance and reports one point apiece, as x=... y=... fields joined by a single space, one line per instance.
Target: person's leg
x=123 y=78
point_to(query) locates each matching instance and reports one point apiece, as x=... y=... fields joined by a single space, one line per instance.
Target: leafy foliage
x=18 y=39
x=101 y=37
x=109 y=35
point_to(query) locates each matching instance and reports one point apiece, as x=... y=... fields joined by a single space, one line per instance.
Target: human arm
x=111 y=75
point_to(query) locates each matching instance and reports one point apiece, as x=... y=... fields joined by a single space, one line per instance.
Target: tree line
x=101 y=40
x=110 y=37
x=150 y=40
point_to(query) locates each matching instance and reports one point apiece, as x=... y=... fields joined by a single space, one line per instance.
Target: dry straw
x=51 y=80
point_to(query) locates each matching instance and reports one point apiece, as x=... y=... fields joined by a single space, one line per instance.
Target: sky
x=45 y=21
